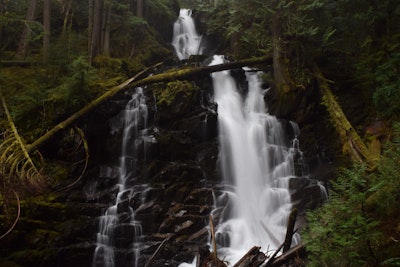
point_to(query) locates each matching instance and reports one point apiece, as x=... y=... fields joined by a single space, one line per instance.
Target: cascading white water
x=186 y=40
x=118 y=226
x=256 y=161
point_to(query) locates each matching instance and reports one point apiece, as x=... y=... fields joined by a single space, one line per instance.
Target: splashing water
x=256 y=161
x=118 y=228
x=185 y=40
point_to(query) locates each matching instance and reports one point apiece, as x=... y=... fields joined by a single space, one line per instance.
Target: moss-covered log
x=176 y=74
x=351 y=142
x=104 y=97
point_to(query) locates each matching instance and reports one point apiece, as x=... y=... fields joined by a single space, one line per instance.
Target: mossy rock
x=42 y=238
x=7 y=263
x=33 y=257
x=174 y=99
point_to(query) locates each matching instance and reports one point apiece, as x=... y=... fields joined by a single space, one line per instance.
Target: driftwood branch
x=158 y=250
x=290 y=230
x=297 y=251
x=214 y=241
x=254 y=257
x=273 y=257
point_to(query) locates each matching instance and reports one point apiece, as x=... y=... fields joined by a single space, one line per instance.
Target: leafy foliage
x=387 y=94
x=339 y=232
x=356 y=227
x=74 y=89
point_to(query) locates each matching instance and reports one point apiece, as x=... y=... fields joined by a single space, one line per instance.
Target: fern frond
x=17 y=217
x=86 y=160
x=15 y=161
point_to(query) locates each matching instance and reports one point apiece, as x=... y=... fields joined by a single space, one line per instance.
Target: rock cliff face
x=175 y=190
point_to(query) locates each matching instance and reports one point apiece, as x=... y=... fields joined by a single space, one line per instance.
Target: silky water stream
x=119 y=237
x=256 y=159
x=256 y=162
x=186 y=40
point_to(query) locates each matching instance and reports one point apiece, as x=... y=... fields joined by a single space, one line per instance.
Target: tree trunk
x=351 y=141
x=26 y=33
x=90 y=30
x=46 y=28
x=281 y=76
x=66 y=9
x=3 y=11
x=290 y=230
x=139 y=8
x=235 y=43
x=96 y=40
x=107 y=28
x=3 y=7
x=179 y=74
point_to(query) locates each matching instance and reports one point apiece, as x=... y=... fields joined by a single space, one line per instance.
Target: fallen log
x=101 y=99
x=158 y=250
x=297 y=251
x=351 y=141
x=214 y=241
x=137 y=80
x=272 y=258
x=253 y=258
x=290 y=230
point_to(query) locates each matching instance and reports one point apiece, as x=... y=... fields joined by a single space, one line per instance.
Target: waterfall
x=257 y=162
x=118 y=229
x=185 y=39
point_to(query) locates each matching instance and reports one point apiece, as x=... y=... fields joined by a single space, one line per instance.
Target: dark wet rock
x=204 y=196
x=125 y=234
x=201 y=126
x=180 y=172
x=307 y=193
x=75 y=255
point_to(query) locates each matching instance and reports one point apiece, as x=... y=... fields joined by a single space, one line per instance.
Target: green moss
x=174 y=92
x=7 y=263
x=57 y=172
x=40 y=208
x=42 y=238
x=34 y=257
x=108 y=67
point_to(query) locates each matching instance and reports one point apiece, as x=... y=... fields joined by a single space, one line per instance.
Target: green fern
x=357 y=226
x=339 y=233
x=15 y=160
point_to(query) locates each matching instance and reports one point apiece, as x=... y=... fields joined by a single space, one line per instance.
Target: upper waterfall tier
x=186 y=40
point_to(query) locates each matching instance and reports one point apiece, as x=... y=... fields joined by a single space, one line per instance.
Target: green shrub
x=340 y=232
x=387 y=94
x=359 y=224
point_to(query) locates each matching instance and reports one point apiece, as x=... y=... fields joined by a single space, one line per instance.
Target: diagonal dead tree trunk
x=137 y=80
x=351 y=142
